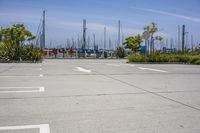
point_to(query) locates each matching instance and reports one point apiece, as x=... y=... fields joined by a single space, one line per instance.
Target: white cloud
x=170 y=14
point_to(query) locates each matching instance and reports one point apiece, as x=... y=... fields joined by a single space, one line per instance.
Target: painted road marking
x=44 y=128
x=118 y=65
x=83 y=70
x=8 y=89
x=115 y=65
x=21 y=76
x=25 y=69
x=131 y=65
x=150 y=69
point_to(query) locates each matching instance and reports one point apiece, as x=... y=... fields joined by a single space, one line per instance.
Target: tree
x=16 y=44
x=152 y=29
x=16 y=37
x=133 y=42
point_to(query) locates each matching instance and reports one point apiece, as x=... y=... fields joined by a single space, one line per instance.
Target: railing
x=78 y=54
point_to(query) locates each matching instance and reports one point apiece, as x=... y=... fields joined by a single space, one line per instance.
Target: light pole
x=146 y=36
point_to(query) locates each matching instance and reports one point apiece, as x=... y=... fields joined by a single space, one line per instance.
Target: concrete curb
x=175 y=63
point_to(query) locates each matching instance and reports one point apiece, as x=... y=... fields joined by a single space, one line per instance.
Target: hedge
x=164 y=58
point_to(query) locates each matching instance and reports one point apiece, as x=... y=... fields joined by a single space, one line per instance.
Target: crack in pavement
x=154 y=93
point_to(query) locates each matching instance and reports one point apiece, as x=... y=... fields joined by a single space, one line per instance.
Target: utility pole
x=183 y=38
x=73 y=43
x=122 y=34
x=166 y=43
x=40 y=39
x=84 y=36
x=43 y=31
x=119 y=33
x=123 y=39
x=88 y=42
x=176 y=44
x=171 y=43
x=110 y=43
x=192 y=42
x=104 y=41
x=186 y=39
x=94 y=41
x=68 y=43
x=179 y=37
x=115 y=45
x=78 y=41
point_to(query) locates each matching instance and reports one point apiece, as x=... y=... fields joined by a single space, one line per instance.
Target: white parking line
x=150 y=69
x=24 y=69
x=8 y=89
x=131 y=65
x=83 y=70
x=44 y=128
x=21 y=76
x=115 y=65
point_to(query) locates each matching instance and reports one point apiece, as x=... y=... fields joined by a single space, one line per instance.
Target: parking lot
x=99 y=96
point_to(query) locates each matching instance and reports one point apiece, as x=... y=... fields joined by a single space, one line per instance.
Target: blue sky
x=64 y=17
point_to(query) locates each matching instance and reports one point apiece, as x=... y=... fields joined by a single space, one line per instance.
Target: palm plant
x=13 y=44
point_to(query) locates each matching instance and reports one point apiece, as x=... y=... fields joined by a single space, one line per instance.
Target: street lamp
x=146 y=36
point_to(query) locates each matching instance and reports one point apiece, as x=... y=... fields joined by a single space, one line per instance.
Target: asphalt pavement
x=99 y=96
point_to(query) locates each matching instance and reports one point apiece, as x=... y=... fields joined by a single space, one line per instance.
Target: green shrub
x=168 y=57
x=197 y=62
x=183 y=58
x=152 y=58
x=28 y=53
x=193 y=59
x=136 y=58
x=155 y=58
x=7 y=51
x=32 y=53
x=120 y=52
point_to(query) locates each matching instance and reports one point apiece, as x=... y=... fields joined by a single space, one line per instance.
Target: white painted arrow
x=150 y=69
x=83 y=70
